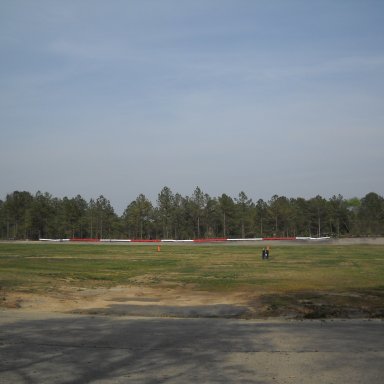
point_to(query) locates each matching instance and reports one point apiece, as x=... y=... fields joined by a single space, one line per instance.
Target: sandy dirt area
x=133 y=301
x=183 y=303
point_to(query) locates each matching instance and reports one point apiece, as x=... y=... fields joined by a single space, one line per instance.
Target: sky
x=124 y=97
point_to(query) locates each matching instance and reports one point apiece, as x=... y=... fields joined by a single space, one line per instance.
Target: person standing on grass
x=263 y=254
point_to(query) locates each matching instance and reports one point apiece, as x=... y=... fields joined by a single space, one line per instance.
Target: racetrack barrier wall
x=208 y=240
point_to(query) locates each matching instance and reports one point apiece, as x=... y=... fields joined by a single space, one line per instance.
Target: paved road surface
x=56 y=348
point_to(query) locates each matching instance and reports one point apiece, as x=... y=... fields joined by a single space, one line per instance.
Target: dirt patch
x=321 y=305
x=132 y=301
x=186 y=303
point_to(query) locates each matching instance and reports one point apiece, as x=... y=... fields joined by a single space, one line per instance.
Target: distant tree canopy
x=27 y=216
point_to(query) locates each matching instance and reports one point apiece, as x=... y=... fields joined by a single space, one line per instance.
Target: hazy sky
x=124 y=97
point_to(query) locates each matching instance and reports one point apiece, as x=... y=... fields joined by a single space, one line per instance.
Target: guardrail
x=203 y=240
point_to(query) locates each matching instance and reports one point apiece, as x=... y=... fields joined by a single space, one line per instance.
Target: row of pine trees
x=27 y=216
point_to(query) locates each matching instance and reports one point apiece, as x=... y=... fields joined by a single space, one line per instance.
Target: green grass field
x=303 y=271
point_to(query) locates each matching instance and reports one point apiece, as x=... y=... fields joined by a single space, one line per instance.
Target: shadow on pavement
x=198 y=311
x=100 y=349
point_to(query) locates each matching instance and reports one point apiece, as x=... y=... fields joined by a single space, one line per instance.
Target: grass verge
x=311 y=281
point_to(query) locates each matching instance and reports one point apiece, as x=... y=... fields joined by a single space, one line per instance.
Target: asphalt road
x=56 y=348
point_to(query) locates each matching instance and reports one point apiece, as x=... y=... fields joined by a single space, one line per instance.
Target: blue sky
x=125 y=97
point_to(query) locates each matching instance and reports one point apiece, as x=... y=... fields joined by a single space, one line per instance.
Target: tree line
x=27 y=216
